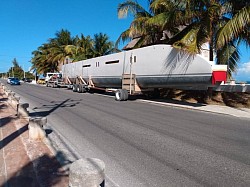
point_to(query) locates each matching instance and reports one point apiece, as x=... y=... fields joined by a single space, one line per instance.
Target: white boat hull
x=158 y=66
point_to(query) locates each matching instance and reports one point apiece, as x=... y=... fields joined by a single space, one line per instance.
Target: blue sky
x=26 y=24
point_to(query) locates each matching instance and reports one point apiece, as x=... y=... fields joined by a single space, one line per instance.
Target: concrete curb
x=23 y=110
x=36 y=131
x=87 y=173
x=232 y=112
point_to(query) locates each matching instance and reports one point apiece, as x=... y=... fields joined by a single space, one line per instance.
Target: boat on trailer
x=144 y=69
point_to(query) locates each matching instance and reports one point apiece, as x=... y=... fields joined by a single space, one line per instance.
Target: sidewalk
x=218 y=109
x=25 y=163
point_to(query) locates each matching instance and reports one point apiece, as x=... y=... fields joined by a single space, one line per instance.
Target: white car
x=8 y=80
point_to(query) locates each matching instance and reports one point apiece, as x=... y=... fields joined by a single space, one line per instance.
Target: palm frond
x=234 y=27
x=229 y=55
x=188 y=43
x=130 y=7
x=123 y=38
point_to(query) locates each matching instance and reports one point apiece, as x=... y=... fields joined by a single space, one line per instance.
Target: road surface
x=145 y=145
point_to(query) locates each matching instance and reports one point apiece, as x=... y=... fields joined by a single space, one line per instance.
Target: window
x=112 y=62
x=87 y=65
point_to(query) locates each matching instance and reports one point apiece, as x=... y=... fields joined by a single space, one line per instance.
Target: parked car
x=27 y=80
x=14 y=81
x=41 y=81
x=8 y=80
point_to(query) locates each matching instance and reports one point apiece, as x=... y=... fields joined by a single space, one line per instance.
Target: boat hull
x=158 y=66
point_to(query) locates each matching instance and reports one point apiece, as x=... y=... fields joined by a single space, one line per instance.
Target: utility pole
x=12 y=71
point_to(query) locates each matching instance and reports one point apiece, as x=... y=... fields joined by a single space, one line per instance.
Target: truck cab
x=53 y=79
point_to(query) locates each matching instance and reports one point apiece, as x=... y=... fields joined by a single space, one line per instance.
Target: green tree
x=51 y=55
x=57 y=48
x=41 y=62
x=147 y=32
x=232 y=33
x=16 y=70
x=189 y=24
x=102 y=45
x=238 y=26
x=81 y=49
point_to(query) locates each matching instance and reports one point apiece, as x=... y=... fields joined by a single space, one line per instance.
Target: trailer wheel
x=125 y=92
x=74 y=88
x=121 y=95
x=79 y=88
x=83 y=89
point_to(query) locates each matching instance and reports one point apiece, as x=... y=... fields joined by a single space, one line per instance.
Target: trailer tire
x=83 y=89
x=79 y=88
x=74 y=88
x=121 y=95
x=125 y=92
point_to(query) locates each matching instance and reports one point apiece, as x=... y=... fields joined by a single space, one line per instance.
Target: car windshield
x=14 y=79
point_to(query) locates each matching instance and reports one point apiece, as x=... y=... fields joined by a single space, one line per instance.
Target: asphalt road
x=145 y=145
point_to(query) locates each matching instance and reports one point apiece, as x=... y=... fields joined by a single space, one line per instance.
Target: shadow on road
x=54 y=106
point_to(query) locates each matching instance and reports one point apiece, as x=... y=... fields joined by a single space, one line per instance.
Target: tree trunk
x=211 y=50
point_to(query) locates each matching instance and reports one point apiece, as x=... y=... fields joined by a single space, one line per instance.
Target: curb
x=192 y=108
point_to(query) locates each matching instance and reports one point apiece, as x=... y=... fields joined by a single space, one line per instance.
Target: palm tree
x=41 y=61
x=102 y=45
x=58 y=52
x=81 y=49
x=147 y=32
x=191 y=23
x=236 y=27
x=232 y=33
x=49 y=56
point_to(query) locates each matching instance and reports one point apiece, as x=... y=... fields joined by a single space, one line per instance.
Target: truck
x=143 y=70
x=54 y=80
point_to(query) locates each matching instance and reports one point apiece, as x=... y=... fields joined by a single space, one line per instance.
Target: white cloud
x=244 y=68
x=243 y=72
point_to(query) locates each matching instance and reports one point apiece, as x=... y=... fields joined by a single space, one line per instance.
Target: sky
x=27 y=24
